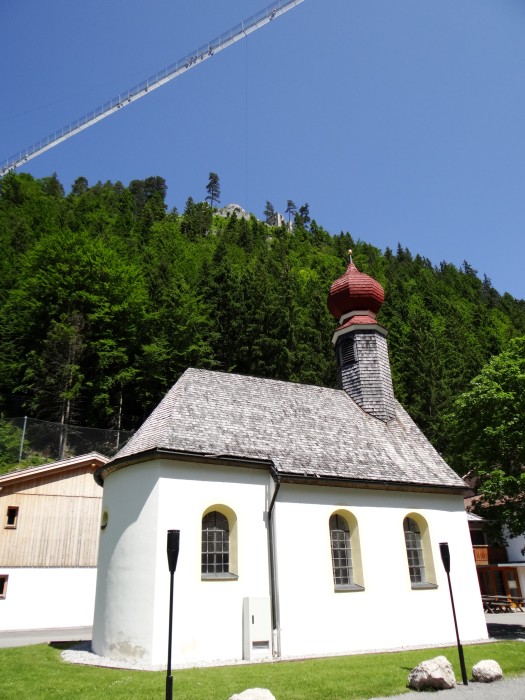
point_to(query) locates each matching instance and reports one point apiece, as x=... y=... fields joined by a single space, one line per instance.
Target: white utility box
x=257 y=629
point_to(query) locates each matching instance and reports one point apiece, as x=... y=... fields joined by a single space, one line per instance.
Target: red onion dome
x=354 y=291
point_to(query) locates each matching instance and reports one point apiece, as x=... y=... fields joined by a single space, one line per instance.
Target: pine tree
x=291 y=209
x=213 y=188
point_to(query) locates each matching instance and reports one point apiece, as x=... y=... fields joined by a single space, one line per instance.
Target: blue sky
x=401 y=121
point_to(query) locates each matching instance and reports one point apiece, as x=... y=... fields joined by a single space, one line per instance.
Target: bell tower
x=360 y=342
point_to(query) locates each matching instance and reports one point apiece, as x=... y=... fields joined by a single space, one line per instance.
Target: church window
x=218 y=541
x=346 y=558
x=416 y=565
x=419 y=553
x=341 y=551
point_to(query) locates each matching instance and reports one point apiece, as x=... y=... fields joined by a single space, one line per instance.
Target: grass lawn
x=37 y=672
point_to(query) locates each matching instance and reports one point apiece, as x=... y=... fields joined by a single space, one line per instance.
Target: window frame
x=353 y=552
x=428 y=574
x=13 y=525
x=231 y=552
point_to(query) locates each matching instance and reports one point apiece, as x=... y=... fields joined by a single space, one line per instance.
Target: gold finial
x=350 y=254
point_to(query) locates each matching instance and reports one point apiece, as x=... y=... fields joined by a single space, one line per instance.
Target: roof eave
x=179 y=455
x=376 y=484
x=286 y=477
x=90 y=460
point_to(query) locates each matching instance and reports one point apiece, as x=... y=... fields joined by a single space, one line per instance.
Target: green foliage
x=269 y=210
x=487 y=430
x=10 y=438
x=10 y=443
x=291 y=209
x=105 y=299
x=213 y=188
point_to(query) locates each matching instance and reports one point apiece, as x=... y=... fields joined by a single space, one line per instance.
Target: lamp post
x=445 y=558
x=173 y=555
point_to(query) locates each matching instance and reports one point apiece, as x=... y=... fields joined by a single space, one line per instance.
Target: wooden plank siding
x=58 y=521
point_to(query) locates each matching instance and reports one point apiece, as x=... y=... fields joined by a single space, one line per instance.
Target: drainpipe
x=274 y=591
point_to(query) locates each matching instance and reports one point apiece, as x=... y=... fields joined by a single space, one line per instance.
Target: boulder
x=435 y=673
x=253 y=694
x=487 y=671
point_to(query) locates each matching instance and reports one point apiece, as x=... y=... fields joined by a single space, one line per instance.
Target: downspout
x=274 y=591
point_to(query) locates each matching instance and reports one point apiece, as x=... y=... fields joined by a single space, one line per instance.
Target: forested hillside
x=106 y=297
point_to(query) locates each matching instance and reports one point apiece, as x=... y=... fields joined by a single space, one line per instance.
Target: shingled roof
x=305 y=432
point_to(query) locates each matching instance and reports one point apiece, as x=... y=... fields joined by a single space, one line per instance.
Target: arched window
x=416 y=564
x=215 y=544
x=419 y=552
x=219 y=543
x=341 y=551
x=347 y=571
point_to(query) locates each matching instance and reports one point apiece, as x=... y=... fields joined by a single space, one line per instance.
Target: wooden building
x=501 y=570
x=49 y=544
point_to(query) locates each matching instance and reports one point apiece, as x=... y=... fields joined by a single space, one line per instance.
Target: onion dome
x=355 y=291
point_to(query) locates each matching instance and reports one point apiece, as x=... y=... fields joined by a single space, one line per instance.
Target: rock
x=253 y=694
x=487 y=671
x=435 y=673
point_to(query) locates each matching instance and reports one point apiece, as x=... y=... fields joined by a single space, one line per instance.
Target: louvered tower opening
x=347 y=352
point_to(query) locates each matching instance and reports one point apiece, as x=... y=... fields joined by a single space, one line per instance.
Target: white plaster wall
x=147 y=500
x=208 y=614
x=388 y=613
x=144 y=502
x=124 y=603
x=516 y=558
x=514 y=547
x=48 y=598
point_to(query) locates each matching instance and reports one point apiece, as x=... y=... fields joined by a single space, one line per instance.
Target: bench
x=498 y=604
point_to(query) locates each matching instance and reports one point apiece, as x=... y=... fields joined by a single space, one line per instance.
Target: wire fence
x=54 y=441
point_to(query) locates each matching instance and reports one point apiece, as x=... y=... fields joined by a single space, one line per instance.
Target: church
x=310 y=518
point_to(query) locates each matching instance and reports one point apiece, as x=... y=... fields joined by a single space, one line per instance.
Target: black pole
x=445 y=558
x=173 y=554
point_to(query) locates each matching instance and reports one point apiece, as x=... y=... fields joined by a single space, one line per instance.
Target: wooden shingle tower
x=361 y=349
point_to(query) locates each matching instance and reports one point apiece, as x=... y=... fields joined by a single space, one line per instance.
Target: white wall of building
x=514 y=549
x=163 y=496
x=146 y=500
x=388 y=613
x=39 y=598
x=517 y=558
x=125 y=593
x=208 y=613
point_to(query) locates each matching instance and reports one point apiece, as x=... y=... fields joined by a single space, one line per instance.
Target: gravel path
x=513 y=689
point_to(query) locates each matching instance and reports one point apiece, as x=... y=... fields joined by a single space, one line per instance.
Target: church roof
x=306 y=432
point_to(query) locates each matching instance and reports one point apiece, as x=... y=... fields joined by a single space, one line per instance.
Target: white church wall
x=41 y=598
x=315 y=619
x=125 y=594
x=169 y=495
x=208 y=613
x=144 y=501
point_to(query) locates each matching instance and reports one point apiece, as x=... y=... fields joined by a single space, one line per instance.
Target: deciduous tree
x=487 y=427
